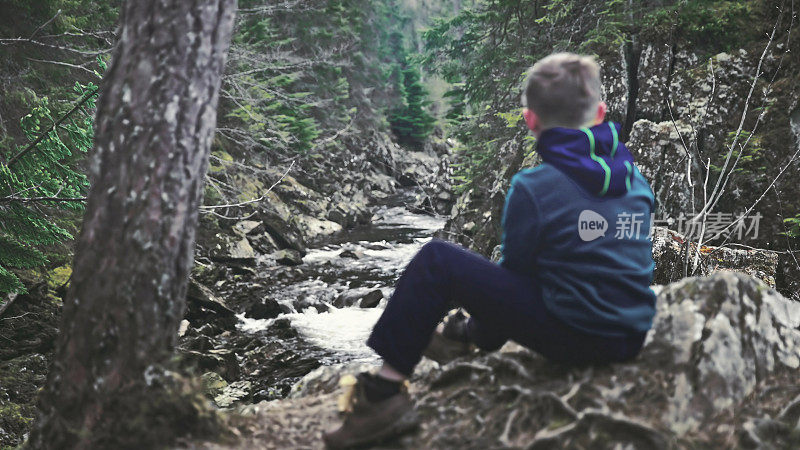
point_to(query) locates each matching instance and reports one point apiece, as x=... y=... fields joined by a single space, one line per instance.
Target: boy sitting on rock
x=573 y=283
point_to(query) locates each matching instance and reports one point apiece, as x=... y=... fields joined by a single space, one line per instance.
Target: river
x=366 y=258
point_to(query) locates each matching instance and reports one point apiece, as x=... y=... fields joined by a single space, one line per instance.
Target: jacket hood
x=593 y=157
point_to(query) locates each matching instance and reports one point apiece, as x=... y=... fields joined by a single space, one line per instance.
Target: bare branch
x=256 y=200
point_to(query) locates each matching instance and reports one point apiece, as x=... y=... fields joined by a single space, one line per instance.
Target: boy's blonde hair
x=563 y=89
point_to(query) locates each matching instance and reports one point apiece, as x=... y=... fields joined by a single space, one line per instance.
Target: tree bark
x=155 y=123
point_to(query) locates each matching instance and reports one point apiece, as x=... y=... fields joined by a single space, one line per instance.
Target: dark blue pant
x=502 y=304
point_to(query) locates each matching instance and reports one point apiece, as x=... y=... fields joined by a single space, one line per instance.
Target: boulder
x=358 y=296
x=265 y=309
x=232 y=249
x=371 y=299
x=349 y=210
x=283 y=231
x=313 y=228
x=669 y=253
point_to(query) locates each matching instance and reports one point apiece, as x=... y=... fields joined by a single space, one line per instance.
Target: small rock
x=232 y=393
x=213 y=384
x=288 y=257
x=353 y=254
x=183 y=327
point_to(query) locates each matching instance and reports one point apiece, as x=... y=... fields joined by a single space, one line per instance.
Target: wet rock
x=351 y=253
x=669 y=254
x=203 y=307
x=423 y=204
x=265 y=309
x=414 y=168
x=356 y=296
x=200 y=343
x=310 y=301
x=371 y=299
x=263 y=243
x=288 y=257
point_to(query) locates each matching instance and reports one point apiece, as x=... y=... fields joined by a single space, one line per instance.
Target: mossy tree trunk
x=155 y=123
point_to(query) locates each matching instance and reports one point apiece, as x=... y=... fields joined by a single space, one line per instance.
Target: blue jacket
x=580 y=224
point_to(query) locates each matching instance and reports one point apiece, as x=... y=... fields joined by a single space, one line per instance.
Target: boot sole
x=443 y=350
x=407 y=422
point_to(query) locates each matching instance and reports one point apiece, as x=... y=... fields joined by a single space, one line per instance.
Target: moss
x=215 y=165
x=59 y=276
x=14 y=420
x=250 y=187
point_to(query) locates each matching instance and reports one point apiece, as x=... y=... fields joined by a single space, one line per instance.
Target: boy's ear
x=531 y=119
x=602 y=109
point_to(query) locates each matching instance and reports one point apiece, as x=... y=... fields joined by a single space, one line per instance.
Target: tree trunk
x=155 y=123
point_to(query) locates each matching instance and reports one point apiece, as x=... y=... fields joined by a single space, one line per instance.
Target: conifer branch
x=41 y=199
x=41 y=137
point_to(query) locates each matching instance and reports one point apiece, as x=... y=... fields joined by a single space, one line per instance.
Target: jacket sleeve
x=520 y=225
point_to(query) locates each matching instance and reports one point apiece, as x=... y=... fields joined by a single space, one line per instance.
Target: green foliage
x=411 y=121
x=747 y=153
x=41 y=181
x=720 y=24
x=793 y=224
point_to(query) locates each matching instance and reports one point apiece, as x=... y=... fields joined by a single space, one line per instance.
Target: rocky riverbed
x=295 y=319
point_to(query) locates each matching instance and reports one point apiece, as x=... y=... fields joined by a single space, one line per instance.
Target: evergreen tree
x=411 y=121
x=39 y=178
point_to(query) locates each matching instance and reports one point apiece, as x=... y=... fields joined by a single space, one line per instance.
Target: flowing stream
x=363 y=259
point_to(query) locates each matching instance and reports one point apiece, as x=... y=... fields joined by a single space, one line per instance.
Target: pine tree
x=411 y=122
x=39 y=178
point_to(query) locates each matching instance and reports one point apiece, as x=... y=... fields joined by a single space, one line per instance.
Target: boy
x=568 y=285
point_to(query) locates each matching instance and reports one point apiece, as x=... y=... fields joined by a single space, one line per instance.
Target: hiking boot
x=452 y=341
x=368 y=422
